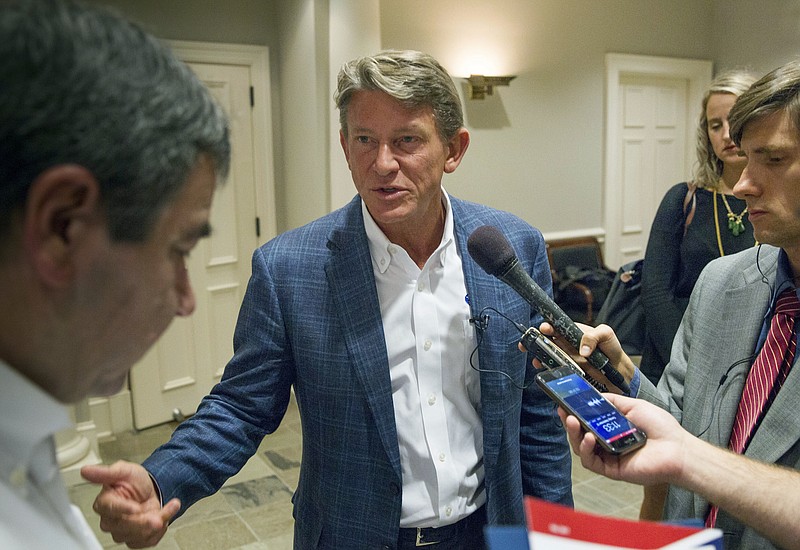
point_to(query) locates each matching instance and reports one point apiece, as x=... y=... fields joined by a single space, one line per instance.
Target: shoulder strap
x=691 y=187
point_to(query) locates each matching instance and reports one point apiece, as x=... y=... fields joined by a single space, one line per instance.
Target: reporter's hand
x=129 y=505
x=658 y=461
x=602 y=337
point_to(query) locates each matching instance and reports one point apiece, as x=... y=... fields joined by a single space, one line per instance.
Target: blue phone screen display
x=591 y=407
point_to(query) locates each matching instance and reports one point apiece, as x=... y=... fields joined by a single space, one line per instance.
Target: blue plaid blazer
x=311 y=320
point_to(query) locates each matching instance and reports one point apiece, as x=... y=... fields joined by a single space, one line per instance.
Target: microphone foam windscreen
x=490 y=249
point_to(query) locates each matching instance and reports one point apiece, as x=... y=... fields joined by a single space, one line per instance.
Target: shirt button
x=441 y=457
x=383 y=261
x=431 y=399
x=421 y=287
x=448 y=511
x=428 y=345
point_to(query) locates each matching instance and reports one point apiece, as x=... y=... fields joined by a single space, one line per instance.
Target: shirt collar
x=380 y=247
x=783 y=277
x=28 y=415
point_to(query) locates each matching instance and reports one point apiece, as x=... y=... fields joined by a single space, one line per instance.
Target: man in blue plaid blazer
x=405 y=442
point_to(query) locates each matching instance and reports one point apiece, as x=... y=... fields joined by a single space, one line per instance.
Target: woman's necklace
x=716 y=225
x=735 y=223
x=737 y=219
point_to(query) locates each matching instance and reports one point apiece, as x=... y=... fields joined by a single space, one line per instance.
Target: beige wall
x=537 y=149
x=235 y=21
x=759 y=35
x=537 y=146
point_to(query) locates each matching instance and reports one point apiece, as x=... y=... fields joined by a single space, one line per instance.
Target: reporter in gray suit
x=727 y=321
x=366 y=314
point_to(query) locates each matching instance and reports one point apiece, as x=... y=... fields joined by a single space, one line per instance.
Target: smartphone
x=615 y=433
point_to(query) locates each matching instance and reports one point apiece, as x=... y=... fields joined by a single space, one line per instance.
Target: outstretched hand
x=658 y=461
x=128 y=504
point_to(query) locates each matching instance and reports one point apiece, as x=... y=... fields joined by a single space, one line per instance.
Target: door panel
x=653 y=141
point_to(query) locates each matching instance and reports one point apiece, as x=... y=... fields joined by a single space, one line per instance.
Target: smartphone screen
x=613 y=431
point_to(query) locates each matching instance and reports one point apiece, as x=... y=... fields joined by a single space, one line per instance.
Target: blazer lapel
x=780 y=429
x=482 y=290
x=728 y=336
x=352 y=285
x=731 y=350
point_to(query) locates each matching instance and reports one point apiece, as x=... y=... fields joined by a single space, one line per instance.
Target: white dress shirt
x=35 y=512
x=436 y=393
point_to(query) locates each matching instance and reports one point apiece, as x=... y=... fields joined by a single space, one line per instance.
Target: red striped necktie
x=766 y=377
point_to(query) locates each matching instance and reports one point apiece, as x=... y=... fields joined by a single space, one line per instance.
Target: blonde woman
x=677 y=252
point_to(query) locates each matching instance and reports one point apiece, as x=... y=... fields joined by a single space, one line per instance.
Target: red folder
x=552 y=525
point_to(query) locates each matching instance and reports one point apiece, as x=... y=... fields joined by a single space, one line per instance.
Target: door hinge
x=252 y=97
x=258 y=226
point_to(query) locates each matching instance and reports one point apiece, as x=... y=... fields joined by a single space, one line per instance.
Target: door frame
x=257 y=59
x=697 y=72
x=114 y=414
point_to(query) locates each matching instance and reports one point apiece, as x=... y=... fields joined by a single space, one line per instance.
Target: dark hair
x=414 y=78
x=778 y=90
x=81 y=85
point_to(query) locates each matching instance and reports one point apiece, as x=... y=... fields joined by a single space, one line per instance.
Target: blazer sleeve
x=249 y=402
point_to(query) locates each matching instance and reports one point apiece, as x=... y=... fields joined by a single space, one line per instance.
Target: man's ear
x=61 y=203
x=455 y=150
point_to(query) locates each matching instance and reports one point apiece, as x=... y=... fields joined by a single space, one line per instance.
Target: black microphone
x=492 y=251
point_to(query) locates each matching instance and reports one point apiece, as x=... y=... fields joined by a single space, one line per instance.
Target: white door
x=653 y=142
x=652 y=105
x=190 y=357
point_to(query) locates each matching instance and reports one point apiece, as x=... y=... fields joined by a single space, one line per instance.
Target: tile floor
x=252 y=511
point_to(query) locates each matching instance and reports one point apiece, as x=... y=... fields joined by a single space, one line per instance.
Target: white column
x=77 y=446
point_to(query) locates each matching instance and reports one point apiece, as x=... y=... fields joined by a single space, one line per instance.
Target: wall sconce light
x=480 y=86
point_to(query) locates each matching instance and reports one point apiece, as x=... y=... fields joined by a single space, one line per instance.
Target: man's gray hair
x=413 y=78
x=81 y=85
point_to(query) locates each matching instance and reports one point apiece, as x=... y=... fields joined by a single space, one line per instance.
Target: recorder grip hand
x=551 y=356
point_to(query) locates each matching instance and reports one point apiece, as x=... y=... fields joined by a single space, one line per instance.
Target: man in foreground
x=110 y=151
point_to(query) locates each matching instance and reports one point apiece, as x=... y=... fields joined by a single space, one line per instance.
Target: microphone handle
x=517 y=278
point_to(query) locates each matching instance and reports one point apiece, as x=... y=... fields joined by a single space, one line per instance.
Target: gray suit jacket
x=311 y=320
x=703 y=382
